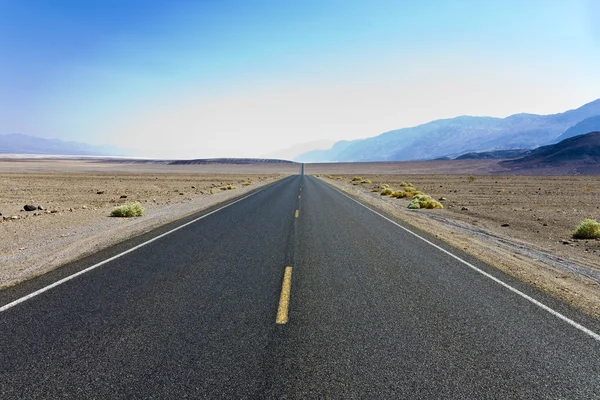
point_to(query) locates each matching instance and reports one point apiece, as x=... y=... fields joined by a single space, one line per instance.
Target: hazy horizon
x=247 y=79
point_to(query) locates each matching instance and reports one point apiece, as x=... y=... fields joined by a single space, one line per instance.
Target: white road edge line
x=88 y=269
x=569 y=321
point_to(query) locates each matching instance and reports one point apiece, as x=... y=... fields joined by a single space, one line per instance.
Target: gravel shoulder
x=530 y=242
x=75 y=220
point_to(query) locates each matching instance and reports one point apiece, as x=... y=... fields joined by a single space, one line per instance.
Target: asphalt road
x=374 y=312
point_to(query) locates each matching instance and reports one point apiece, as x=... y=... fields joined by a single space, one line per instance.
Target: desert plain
x=78 y=195
x=521 y=224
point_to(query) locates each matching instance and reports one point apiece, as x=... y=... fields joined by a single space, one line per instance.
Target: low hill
x=230 y=161
x=494 y=155
x=580 y=154
x=200 y=161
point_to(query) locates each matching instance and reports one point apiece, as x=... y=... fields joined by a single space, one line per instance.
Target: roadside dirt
x=520 y=224
x=75 y=221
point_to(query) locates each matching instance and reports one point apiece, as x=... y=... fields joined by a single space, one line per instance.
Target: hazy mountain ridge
x=494 y=155
x=16 y=143
x=588 y=125
x=576 y=152
x=457 y=136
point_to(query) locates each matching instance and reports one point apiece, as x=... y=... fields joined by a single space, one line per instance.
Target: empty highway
x=296 y=291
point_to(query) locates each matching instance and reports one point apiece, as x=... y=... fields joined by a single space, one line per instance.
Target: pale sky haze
x=193 y=79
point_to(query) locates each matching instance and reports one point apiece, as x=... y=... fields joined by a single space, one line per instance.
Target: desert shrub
x=408 y=192
x=386 y=191
x=228 y=187
x=406 y=184
x=248 y=183
x=357 y=179
x=471 y=179
x=128 y=210
x=424 y=201
x=587 y=229
x=212 y=191
x=385 y=186
x=365 y=181
x=331 y=176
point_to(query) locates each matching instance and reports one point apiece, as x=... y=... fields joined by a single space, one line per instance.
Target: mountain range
x=465 y=134
x=577 y=152
x=17 y=143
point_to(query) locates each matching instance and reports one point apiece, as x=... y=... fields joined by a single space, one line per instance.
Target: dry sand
x=520 y=224
x=75 y=221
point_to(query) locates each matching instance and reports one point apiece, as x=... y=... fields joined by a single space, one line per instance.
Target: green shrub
x=406 y=184
x=248 y=183
x=385 y=186
x=424 y=201
x=212 y=191
x=365 y=181
x=128 y=210
x=228 y=187
x=331 y=177
x=357 y=179
x=386 y=191
x=587 y=229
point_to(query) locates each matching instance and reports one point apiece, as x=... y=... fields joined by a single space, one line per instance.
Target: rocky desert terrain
x=520 y=224
x=76 y=197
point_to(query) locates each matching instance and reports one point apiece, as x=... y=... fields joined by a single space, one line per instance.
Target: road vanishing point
x=294 y=291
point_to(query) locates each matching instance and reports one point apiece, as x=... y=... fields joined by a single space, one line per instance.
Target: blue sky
x=247 y=78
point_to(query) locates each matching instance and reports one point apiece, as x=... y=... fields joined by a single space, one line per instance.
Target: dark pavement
x=374 y=312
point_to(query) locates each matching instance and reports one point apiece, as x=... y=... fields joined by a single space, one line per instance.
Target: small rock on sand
x=29 y=207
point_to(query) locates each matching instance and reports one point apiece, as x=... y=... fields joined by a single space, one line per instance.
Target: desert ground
x=521 y=224
x=77 y=197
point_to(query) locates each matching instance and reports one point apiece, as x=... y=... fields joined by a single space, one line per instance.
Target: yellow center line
x=284 y=299
x=297 y=213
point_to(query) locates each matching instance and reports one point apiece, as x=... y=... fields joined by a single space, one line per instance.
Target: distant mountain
x=588 y=125
x=494 y=155
x=575 y=152
x=457 y=136
x=326 y=155
x=24 y=144
x=294 y=151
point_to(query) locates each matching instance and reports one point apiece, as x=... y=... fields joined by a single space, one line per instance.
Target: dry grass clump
x=424 y=201
x=408 y=192
x=228 y=187
x=587 y=229
x=406 y=184
x=247 y=183
x=386 y=191
x=357 y=179
x=385 y=186
x=128 y=210
x=366 y=181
